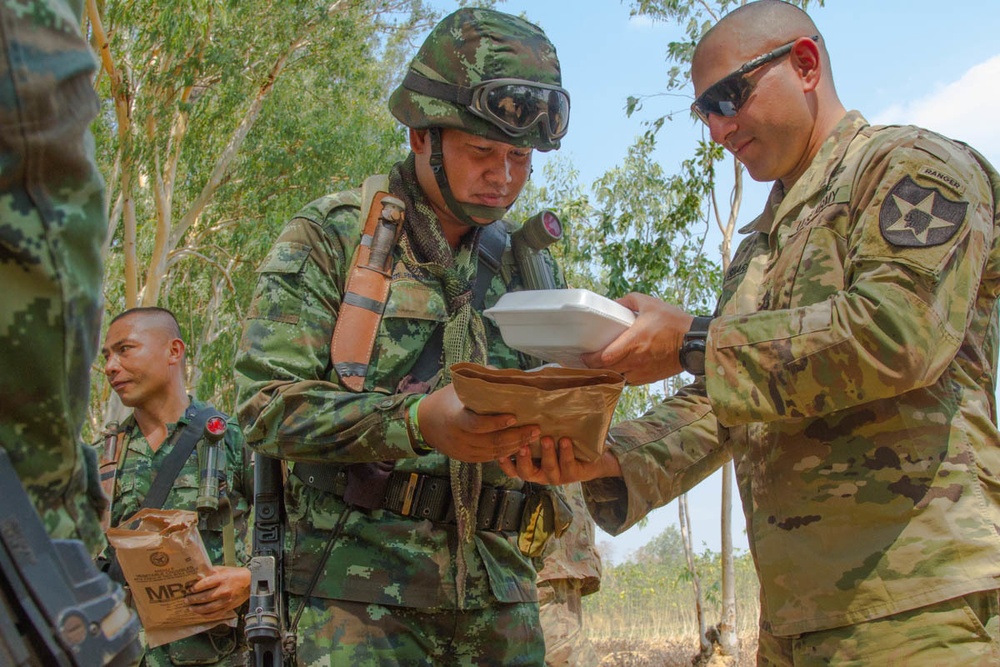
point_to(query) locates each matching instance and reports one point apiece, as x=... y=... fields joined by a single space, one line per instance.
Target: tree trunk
x=729 y=641
x=685 y=522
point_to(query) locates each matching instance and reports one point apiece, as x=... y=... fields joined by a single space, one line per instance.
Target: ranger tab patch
x=916 y=217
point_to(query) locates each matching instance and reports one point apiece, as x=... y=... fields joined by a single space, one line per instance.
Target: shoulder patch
x=916 y=217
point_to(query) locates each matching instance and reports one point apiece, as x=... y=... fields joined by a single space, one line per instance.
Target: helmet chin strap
x=464 y=212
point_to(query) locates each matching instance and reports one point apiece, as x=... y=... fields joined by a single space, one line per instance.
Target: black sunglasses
x=726 y=96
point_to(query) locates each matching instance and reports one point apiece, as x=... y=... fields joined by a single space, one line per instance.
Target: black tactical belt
x=423 y=496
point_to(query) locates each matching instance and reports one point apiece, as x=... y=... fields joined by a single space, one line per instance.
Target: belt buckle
x=504 y=497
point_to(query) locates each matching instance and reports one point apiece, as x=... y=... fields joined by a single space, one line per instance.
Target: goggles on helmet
x=513 y=105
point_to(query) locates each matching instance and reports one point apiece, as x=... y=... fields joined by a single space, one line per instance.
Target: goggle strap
x=440 y=90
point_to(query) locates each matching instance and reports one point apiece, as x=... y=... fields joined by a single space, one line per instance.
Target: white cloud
x=965 y=109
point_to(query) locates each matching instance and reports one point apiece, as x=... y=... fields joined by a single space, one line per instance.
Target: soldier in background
x=571 y=569
x=850 y=369
x=52 y=226
x=404 y=531
x=144 y=361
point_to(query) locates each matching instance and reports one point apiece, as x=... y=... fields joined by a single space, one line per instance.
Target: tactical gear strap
x=185 y=439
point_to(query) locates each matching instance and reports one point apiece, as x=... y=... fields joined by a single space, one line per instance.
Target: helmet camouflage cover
x=468 y=47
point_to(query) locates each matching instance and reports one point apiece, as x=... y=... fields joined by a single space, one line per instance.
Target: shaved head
x=758 y=27
x=784 y=106
x=154 y=318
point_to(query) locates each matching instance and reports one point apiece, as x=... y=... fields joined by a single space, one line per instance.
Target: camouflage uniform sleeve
x=291 y=404
x=663 y=454
x=574 y=554
x=917 y=235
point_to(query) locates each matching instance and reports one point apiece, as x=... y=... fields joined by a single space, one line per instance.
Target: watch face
x=692 y=356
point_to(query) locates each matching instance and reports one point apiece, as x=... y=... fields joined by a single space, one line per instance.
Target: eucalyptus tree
x=219 y=121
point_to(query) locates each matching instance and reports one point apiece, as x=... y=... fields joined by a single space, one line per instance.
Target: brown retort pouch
x=575 y=403
x=162 y=556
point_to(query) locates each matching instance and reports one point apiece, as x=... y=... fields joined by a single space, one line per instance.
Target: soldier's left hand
x=558 y=464
x=226 y=588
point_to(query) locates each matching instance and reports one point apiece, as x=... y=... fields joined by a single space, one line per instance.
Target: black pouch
x=207 y=648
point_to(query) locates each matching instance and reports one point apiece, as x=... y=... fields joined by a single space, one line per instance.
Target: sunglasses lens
x=723 y=98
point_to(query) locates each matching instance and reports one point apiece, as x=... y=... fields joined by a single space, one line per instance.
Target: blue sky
x=897 y=61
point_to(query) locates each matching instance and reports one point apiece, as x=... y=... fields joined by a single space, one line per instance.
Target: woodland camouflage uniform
x=850 y=373
x=385 y=567
x=136 y=471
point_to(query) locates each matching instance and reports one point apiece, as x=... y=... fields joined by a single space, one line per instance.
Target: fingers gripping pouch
x=575 y=403
x=546 y=515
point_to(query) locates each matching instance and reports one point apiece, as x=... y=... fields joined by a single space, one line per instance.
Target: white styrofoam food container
x=559 y=325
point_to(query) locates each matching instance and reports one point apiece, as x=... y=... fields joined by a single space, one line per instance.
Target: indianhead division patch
x=916 y=217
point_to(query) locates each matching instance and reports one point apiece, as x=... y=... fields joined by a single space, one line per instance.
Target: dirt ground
x=668 y=653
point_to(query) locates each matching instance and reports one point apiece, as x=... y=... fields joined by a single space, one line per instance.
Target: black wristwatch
x=693 y=348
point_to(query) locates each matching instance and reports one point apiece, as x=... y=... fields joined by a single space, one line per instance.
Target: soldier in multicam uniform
x=144 y=363
x=850 y=369
x=52 y=225
x=437 y=577
x=570 y=570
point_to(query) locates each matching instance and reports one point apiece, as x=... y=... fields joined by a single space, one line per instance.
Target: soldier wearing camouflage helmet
x=403 y=531
x=850 y=369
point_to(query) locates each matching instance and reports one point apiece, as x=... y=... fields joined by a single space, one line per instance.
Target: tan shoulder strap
x=367 y=285
x=109 y=474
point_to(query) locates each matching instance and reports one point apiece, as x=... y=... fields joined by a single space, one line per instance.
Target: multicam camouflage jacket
x=293 y=406
x=574 y=554
x=138 y=467
x=851 y=374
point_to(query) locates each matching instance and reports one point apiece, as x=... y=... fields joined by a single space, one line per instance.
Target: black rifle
x=56 y=608
x=266 y=619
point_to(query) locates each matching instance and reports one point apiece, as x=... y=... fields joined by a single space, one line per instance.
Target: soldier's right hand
x=454 y=430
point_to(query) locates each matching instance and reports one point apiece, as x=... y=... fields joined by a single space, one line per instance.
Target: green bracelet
x=417 y=442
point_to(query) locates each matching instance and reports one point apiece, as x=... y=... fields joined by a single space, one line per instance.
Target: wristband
x=417 y=442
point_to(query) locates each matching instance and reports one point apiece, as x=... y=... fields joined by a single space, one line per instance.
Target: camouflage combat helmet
x=489 y=74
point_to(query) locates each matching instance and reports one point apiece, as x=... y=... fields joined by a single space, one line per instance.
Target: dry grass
x=668 y=653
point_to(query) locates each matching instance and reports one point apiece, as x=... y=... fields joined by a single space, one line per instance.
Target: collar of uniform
x=819 y=172
x=192 y=409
